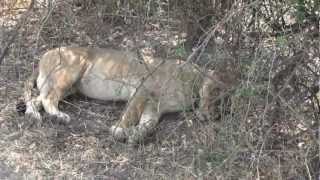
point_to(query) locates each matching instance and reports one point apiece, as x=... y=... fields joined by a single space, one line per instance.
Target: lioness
x=151 y=88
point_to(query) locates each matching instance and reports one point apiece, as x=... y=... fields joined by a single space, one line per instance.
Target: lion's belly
x=104 y=89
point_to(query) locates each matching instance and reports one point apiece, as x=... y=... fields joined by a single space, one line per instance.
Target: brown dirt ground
x=180 y=148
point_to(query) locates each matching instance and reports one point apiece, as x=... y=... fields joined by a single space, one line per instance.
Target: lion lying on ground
x=151 y=88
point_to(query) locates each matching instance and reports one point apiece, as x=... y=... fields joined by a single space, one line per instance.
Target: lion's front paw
x=138 y=134
x=135 y=136
x=118 y=133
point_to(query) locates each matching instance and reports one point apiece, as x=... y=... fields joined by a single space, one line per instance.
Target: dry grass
x=257 y=137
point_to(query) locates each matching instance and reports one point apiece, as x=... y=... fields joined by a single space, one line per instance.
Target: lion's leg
x=33 y=107
x=130 y=117
x=149 y=120
x=33 y=104
x=55 y=88
x=50 y=104
x=203 y=112
x=210 y=93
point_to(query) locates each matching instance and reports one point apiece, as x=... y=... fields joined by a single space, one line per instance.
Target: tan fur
x=152 y=88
